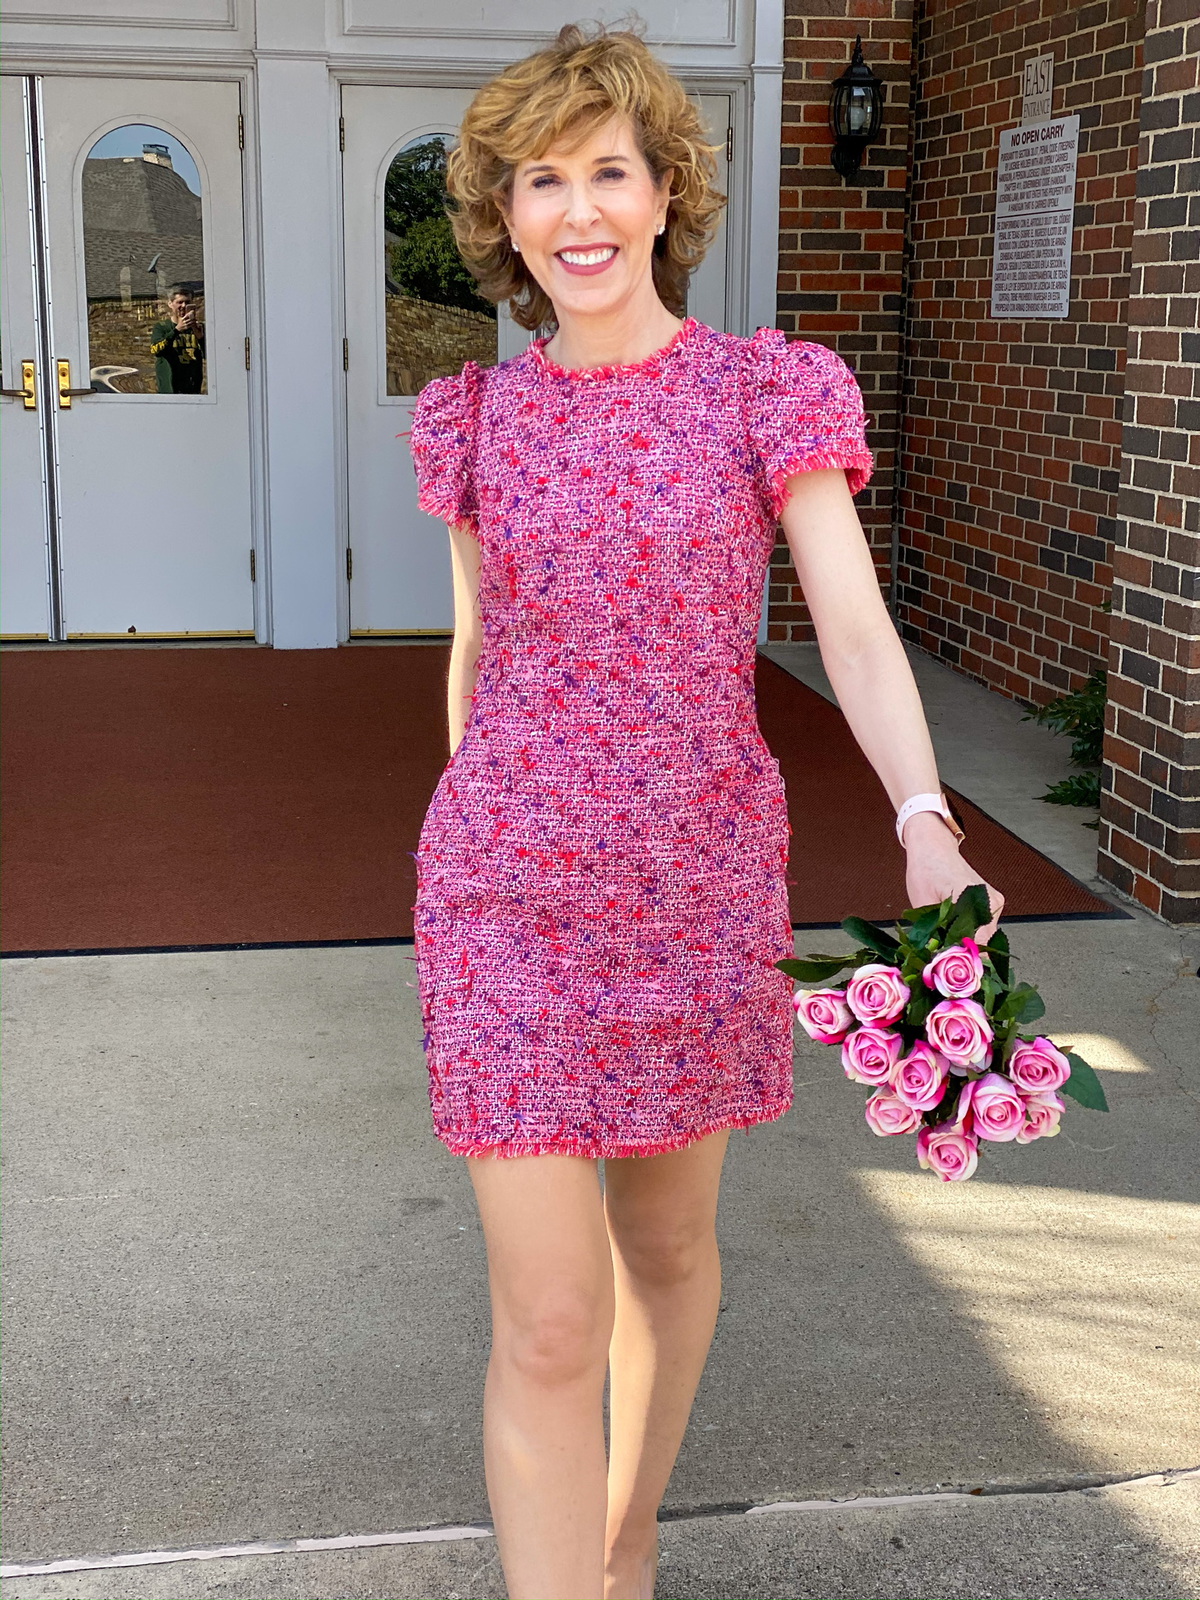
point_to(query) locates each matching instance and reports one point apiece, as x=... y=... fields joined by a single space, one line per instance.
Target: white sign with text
x=1035 y=214
x=1037 y=89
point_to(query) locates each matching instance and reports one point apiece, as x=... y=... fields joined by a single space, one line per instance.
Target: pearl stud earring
x=662 y=228
x=516 y=247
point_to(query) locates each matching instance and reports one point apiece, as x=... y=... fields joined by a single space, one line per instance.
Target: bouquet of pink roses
x=929 y=1021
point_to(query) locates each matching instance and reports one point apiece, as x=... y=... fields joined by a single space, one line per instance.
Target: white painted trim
x=37 y=19
x=766 y=76
x=531 y=36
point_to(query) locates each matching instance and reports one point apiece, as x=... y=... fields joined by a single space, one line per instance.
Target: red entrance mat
x=177 y=798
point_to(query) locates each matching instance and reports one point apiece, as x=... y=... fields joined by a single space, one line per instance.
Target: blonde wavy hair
x=568 y=90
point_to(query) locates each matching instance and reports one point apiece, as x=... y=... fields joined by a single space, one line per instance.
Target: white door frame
x=72 y=64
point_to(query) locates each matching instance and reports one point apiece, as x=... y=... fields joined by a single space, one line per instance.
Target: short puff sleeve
x=442 y=441
x=804 y=409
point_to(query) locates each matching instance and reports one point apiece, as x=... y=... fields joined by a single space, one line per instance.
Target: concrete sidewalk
x=247 y=1296
x=1140 y=1541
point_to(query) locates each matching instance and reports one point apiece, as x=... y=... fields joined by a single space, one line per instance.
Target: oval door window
x=143 y=249
x=435 y=317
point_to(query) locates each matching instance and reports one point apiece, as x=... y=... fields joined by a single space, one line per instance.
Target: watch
x=928 y=802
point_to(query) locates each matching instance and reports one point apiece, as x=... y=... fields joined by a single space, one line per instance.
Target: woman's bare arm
x=468 y=631
x=870 y=673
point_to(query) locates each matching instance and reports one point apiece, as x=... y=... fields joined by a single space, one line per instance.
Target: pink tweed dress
x=601 y=871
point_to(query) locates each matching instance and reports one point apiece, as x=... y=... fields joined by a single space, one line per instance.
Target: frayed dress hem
x=607 y=1149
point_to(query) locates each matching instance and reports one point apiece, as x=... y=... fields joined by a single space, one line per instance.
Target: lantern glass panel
x=858 y=110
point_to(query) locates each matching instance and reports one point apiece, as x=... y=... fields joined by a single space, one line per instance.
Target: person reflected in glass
x=177 y=345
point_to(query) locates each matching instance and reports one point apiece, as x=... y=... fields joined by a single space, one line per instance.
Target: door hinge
x=247 y=352
x=341 y=133
x=345 y=355
x=349 y=564
x=241 y=131
x=729 y=144
x=253 y=568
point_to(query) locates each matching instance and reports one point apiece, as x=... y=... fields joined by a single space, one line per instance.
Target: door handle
x=29 y=392
x=65 y=391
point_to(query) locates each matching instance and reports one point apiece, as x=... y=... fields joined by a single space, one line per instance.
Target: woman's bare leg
x=661 y=1214
x=551 y=1280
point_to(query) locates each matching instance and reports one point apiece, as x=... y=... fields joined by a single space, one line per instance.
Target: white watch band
x=926 y=802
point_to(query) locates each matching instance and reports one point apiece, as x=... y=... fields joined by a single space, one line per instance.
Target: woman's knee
x=663 y=1253
x=560 y=1337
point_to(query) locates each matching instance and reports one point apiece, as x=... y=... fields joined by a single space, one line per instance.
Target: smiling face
x=586 y=220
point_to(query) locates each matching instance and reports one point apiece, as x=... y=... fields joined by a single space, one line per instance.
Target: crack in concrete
x=455 y=1532
x=1184 y=969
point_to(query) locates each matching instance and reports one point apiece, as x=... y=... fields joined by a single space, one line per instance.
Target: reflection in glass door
x=412 y=314
x=143 y=248
x=435 y=319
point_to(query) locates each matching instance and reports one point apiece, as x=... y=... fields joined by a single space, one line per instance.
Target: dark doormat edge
x=1114 y=912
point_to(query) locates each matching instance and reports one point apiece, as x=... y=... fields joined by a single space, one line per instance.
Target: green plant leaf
x=921 y=1004
x=971 y=911
x=997 y=949
x=1083 y=1084
x=1032 y=1007
x=923 y=925
x=1022 y=1004
x=814 y=969
x=873 y=937
x=992 y=989
x=1080 y=789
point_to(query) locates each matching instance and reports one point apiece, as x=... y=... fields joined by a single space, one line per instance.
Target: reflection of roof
x=107 y=250
x=137 y=195
x=132 y=212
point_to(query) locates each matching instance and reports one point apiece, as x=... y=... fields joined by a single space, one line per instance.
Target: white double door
x=410 y=316
x=126 y=504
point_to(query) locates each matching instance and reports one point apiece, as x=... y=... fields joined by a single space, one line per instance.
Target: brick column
x=1150 y=805
x=841 y=245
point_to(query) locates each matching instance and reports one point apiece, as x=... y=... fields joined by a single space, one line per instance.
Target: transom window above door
x=435 y=317
x=143 y=242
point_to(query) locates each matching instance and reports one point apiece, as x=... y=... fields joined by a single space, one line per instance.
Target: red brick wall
x=1012 y=437
x=1150 y=807
x=841 y=245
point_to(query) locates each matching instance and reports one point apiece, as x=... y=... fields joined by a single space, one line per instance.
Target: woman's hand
x=937 y=871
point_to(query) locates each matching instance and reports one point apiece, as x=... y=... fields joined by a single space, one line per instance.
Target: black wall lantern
x=855 y=112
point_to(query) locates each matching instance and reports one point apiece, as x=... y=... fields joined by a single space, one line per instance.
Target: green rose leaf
x=923 y=925
x=1083 y=1085
x=814 y=969
x=1022 y=1004
x=1032 y=1006
x=875 y=938
x=971 y=911
x=921 y=1004
x=997 y=949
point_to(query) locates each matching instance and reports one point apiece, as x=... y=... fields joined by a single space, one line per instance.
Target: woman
x=601 y=891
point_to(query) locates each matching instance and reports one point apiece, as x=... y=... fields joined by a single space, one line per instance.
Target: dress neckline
x=622 y=369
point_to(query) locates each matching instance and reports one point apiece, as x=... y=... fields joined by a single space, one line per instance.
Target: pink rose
x=960 y=1030
x=869 y=1055
x=1042 y=1112
x=948 y=1151
x=824 y=1014
x=877 y=993
x=886 y=1114
x=995 y=1109
x=920 y=1077
x=956 y=971
x=1037 y=1066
